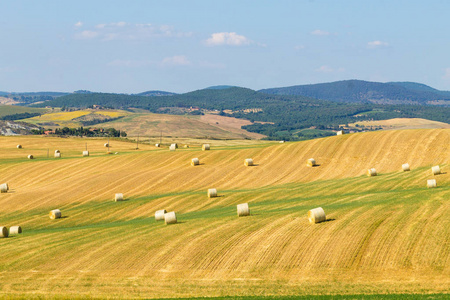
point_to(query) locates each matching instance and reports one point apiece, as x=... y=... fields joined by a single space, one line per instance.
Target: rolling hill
x=384 y=235
x=359 y=91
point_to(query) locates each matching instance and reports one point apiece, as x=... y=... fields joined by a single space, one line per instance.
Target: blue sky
x=179 y=46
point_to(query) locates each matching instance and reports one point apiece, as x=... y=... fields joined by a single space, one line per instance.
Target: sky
x=181 y=46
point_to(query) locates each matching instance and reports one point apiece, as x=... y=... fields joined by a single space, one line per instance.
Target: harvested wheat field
x=387 y=234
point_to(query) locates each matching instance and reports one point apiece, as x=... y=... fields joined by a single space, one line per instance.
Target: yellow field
x=384 y=234
x=403 y=123
x=66 y=118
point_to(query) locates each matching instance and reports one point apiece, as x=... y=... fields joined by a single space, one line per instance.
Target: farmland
x=387 y=234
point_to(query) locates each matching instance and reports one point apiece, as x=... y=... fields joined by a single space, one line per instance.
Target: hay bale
x=206 y=147
x=30 y=156
x=243 y=210
x=195 y=162
x=106 y=144
x=55 y=214
x=405 y=167
x=186 y=146
x=340 y=132
x=4 y=188
x=19 y=146
x=248 y=162
x=212 y=193
x=118 y=197
x=281 y=142
x=3 y=232
x=170 y=218
x=57 y=151
x=311 y=162
x=57 y=155
x=431 y=183
x=436 y=170
x=158 y=145
x=316 y=215
x=372 y=172
x=159 y=214
x=15 y=230
x=172 y=147
x=85 y=153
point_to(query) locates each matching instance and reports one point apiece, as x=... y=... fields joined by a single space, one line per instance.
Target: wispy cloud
x=299 y=47
x=227 y=38
x=446 y=76
x=129 y=31
x=177 y=60
x=78 y=24
x=328 y=69
x=377 y=44
x=320 y=32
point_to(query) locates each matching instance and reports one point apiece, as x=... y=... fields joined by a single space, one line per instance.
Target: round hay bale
x=19 y=146
x=57 y=155
x=372 y=172
x=106 y=145
x=57 y=151
x=281 y=142
x=243 y=210
x=195 y=162
x=316 y=215
x=436 y=170
x=157 y=145
x=30 y=156
x=55 y=214
x=85 y=153
x=212 y=193
x=170 y=218
x=311 y=162
x=173 y=147
x=206 y=147
x=159 y=214
x=431 y=183
x=3 y=232
x=118 y=197
x=4 y=188
x=15 y=230
x=248 y=162
x=340 y=132
x=405 y=167
x=186 y=146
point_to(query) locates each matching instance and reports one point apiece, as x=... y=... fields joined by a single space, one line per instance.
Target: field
x=387 y=234
x=10 y=110
x=207 y=126
x=403 y=123
x=72 y=118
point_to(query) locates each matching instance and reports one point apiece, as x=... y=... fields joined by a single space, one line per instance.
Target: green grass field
x=6 y=110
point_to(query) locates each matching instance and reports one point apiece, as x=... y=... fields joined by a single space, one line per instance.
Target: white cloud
x=299 y=47
x=320 y=32
x=446 y=74
x=78 y=24
x=227 y=38
x=377 y=44
x=127 y=31
x=177 y=60
x=86 y=35
x=328 y=69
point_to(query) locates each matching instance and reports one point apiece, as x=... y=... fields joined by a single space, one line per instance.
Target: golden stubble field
x=384 y=234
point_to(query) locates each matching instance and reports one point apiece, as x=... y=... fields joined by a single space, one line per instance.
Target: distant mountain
x=219 y=87
x=358 y=91
x=155 y=93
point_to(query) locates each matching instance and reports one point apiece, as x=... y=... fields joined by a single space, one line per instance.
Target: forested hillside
x=286 y=114
x=359 y=91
